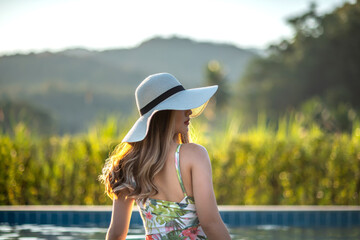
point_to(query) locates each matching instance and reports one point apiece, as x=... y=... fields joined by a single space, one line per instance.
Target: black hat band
x=161 y=98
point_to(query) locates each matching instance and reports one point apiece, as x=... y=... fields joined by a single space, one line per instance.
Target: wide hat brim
x=195 y=98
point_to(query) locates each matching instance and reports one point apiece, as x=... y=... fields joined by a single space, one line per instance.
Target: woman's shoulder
x=193 y=150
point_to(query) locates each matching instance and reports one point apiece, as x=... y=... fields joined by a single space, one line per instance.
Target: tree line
x=316 y=72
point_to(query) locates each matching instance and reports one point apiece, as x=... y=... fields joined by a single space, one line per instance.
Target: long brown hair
x=131 y=167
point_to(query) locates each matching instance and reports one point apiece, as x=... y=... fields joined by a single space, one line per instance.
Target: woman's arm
x=120 y=218
x=205 y=201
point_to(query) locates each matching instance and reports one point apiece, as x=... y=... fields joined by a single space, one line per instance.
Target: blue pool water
x=51 y=232
x=244 y=222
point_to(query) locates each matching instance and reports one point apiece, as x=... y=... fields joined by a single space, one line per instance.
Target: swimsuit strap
x=177 y=165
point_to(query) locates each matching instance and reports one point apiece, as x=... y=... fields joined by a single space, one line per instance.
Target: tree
x=37 y=119
x=215 y=76
x=320 y=61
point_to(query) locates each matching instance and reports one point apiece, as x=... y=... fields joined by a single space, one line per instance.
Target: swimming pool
x=51 y=232
x=244 y=222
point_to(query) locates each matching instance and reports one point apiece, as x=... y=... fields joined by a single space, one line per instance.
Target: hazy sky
x=37 y=25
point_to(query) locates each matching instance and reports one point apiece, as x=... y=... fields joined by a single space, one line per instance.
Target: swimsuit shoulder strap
x=177 y=165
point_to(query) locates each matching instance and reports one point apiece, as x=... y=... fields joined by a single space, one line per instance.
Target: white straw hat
x=163 y=91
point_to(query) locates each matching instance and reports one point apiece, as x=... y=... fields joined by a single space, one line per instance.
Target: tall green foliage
x=55 y=170
x=290 y=162
x=285 y=163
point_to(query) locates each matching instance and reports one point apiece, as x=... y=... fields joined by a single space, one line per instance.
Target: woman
x=156 y=166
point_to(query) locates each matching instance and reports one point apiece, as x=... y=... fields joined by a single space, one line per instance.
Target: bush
x=283 y=163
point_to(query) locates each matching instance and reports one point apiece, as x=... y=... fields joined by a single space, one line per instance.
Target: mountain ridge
x=52 y=79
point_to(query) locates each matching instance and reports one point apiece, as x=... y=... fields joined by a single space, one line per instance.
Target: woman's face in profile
x=182 y=121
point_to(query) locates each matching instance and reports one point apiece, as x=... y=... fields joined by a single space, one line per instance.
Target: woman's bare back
x=167 y=180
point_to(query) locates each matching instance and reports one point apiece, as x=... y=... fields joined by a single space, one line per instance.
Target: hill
x=76 y=86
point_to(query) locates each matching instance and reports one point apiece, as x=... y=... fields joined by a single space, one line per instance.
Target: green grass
x=288 y=162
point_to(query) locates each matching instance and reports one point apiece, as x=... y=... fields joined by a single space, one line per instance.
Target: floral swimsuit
x=171 y=220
